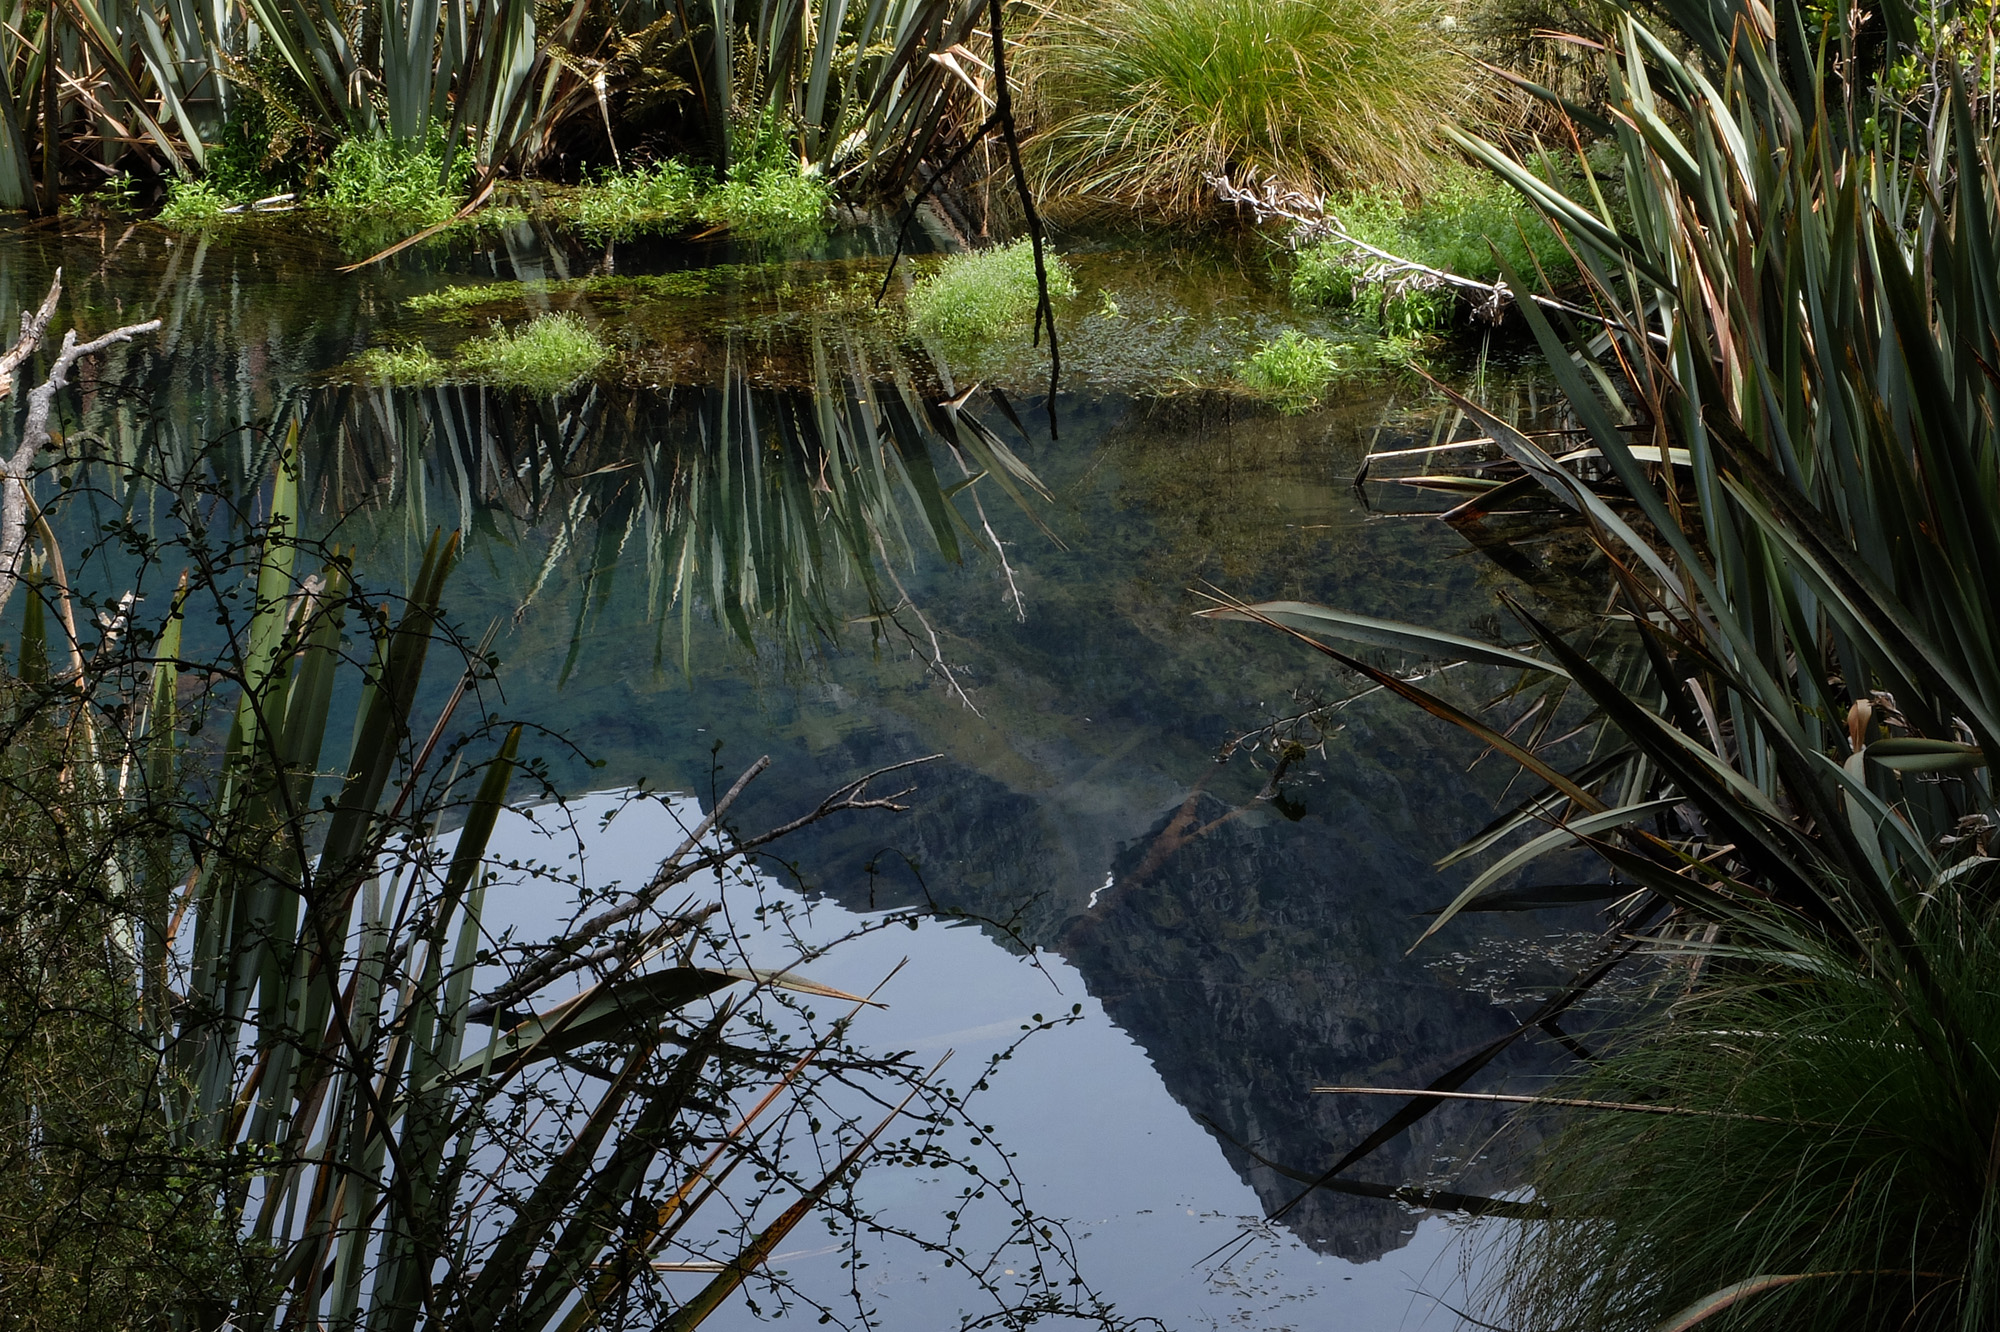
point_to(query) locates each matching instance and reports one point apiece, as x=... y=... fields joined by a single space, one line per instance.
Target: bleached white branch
x=16 y=470
x=1311 y=222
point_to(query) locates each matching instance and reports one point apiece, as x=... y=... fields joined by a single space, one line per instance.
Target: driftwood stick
x=1308 y=213
x=15 y=471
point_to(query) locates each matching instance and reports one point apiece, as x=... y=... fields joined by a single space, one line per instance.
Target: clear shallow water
x=1230 y=950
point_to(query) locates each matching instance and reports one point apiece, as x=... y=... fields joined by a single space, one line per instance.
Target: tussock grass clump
x=1464 y=217
x=546 y=355
x=984 y=294
x=1842 y=1128
x=1136 y=101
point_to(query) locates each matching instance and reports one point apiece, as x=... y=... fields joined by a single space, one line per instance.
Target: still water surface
x=685 y=582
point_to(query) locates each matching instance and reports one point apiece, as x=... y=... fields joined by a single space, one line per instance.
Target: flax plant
x=1786 y=380
x=504 y=82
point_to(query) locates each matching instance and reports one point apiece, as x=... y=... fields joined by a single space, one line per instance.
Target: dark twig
x=1001 y=119
x=573 y=952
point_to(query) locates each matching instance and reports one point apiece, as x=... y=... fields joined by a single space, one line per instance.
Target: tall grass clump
x=1827 y=1167
x=984 y=294
x=1136 y=103
x=1467 y=223
x=1785 y=450
x=546 y=355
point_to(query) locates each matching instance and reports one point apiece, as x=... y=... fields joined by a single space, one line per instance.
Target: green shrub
x=617 y=205
x=984 y=294
x=1463 y=218
x=546 y=356
x=1292 y=370
x=193 y=202
x=1139 y=100
x=396 y=179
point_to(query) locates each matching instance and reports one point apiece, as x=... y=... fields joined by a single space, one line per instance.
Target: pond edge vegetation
x=1794 y=693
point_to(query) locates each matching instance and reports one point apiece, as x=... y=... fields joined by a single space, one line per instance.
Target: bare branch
x=33 y=326
x=1307 y=213
x=575 y=951
x=35 y=435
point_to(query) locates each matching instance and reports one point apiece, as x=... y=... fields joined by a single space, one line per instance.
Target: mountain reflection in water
x=791 y=562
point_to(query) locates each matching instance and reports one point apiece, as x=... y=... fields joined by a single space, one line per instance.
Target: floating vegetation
x=546 y=355
x=984 y=294
x=1133 y=320
x=453 y=302
x=409 y=365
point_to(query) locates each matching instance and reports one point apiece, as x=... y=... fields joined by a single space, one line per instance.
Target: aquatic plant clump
x=547 y=355
x=1137 y=102
x=449 y=302
x=193 y=202
x=411 y=366
x=984 y=294
x=765 y=200
x=778 y=203
x=1292 y=369
x=618 y=205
